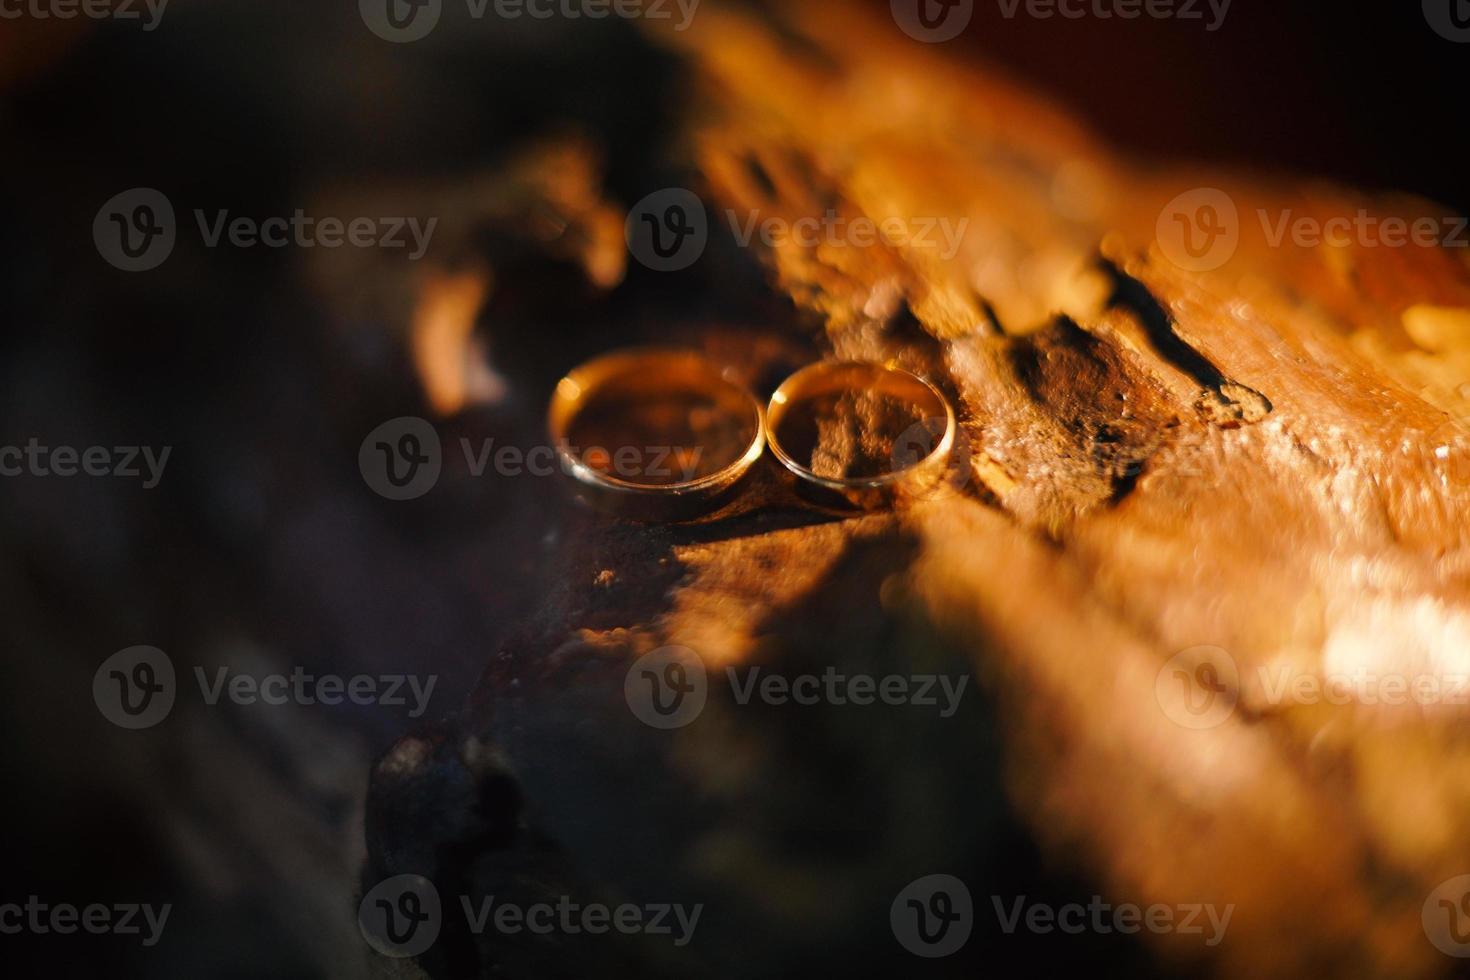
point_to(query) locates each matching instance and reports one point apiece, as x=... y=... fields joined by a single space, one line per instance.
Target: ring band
x=876 y=396
x=700 y=426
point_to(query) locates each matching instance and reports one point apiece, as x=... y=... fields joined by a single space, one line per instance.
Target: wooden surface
x=1154 y=460
x=1158 y=459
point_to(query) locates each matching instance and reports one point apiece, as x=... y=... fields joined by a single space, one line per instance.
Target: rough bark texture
x=1269 y=458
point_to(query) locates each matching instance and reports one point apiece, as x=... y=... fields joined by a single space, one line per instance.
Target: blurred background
x=264 y=368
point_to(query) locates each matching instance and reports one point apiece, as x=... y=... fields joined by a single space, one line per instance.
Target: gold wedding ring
x=655 y=434
x=861 y=434
x=665 y=435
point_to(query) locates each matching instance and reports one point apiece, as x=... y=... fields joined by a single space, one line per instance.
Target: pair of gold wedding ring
x=856 y=434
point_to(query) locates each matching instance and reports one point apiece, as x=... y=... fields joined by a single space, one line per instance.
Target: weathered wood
x=1267 y=458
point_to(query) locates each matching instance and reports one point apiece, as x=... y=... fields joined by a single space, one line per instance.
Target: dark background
x=262 y=533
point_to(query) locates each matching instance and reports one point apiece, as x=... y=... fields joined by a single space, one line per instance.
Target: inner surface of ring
x=846 y=422
x=661 y=422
